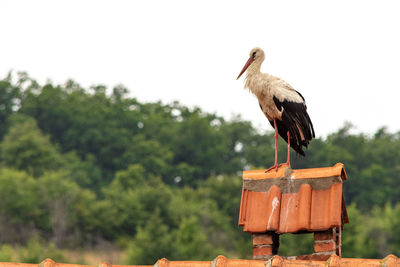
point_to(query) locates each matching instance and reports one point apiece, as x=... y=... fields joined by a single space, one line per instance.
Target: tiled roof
x=221 y=261
x=289 y=201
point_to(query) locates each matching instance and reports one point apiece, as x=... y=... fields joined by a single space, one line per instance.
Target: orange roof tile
x=289 y=201
x=221 y=261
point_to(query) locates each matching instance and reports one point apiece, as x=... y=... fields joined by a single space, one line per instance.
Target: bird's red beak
x=248 y=63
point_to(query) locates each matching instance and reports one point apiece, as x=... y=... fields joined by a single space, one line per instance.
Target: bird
x=284 y=107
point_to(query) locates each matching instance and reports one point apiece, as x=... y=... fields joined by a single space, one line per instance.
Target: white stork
x=283 y=106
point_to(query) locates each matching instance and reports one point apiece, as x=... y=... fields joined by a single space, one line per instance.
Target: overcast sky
x=343 y=56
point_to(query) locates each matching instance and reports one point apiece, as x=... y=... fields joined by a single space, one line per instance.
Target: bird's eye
x=254 y=54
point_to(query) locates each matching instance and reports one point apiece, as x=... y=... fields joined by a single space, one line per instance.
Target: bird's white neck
x=254 y=69
x=252 y=72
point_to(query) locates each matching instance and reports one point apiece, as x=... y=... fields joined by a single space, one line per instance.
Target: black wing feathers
x=277 y=104
x=295 y=120
x=300 y=95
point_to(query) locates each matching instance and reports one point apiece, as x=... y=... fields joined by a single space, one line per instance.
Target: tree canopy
x=82 y=166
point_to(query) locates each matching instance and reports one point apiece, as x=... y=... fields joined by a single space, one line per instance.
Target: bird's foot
x=276 y=167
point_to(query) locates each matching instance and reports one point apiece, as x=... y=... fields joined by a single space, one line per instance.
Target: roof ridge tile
x=219 y=261
x=334 y=261
x=47 y=263
x=276 y=261
x=389 y=261
x=161 y=263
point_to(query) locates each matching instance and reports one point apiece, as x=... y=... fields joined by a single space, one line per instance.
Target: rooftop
x=221 y=261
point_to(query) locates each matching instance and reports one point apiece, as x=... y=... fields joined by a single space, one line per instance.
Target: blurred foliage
x=79 y=168
x=37 y=250
x=7 y=253
x=34 y=251
x=296 y=244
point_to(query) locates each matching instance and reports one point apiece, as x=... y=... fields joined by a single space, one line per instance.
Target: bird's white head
x=257 y=56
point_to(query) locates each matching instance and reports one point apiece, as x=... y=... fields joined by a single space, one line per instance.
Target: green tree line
x=79 y=166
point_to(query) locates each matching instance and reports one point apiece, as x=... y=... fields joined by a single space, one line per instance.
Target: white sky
x=343 y=56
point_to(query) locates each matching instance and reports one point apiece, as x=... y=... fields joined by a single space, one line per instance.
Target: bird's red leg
x=288 y=150
x=276 y=149
x=287 y=163
x=276 y=145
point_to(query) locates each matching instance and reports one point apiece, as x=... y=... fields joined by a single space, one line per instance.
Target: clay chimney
x=294 y=201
